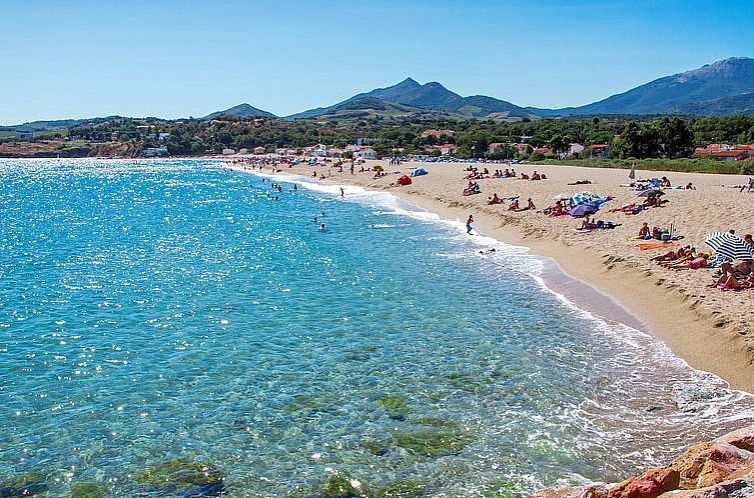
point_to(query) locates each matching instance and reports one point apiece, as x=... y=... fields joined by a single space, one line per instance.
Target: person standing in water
x=469 y=221
x=342 y=192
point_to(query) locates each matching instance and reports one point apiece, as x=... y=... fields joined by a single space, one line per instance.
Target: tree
x=674 y=138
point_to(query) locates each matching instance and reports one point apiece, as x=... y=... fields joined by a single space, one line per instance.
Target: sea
x=184 y=317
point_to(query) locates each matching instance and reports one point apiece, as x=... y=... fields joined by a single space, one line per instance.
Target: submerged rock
x=377 y=448
x=404 y=489
x=433 y=444
x=87 y=490
x=342 y=485
x=23 y=485
x=182 y=477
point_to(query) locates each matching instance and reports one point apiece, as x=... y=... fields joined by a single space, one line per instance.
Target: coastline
x=668 y=311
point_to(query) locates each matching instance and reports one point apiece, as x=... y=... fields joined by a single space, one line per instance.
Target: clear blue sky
x=176 y=58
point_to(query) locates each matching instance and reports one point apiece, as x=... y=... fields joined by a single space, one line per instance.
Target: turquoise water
x=170 y=309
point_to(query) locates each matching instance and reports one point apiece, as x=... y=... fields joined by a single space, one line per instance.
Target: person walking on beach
x=342 y=192
x=469 y=221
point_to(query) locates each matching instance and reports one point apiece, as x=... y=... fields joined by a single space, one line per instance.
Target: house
x=438 y=133
x=730 y=155
x=445 y=149
x=575 y=149
x=366 y=153
x=228 y=152
x=601 y=150
x=155 y=152
x=259 y=150
x=367 y=141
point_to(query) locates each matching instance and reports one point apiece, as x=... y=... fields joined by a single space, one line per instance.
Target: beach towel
x=655 y=245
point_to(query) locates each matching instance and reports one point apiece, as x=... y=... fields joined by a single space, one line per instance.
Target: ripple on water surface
x=168 y=318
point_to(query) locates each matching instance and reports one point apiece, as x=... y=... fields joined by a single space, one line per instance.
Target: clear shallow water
x=157 y=310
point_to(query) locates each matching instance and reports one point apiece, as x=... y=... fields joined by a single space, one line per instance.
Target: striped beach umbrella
x=729 y=245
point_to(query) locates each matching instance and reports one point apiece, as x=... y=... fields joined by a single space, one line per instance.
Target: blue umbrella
x=729 y=245
x=583 y=210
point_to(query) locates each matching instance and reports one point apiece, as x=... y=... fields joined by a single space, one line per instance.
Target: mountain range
x=722 y=88
x=713 y=89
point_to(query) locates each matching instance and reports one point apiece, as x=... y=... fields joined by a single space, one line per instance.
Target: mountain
x=37 y=126
x=241 y=110
x=735 y=104
x=670 y=95
x=371 y=107
x=433 y=97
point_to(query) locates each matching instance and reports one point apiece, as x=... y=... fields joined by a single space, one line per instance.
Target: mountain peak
x=408 y=82
x=242 y=110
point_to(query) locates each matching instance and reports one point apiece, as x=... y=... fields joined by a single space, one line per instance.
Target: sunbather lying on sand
x=740 y=269
x=580 y=182
x=699 y=261
x=732 y=283
x=682 y=254
x=632 y=208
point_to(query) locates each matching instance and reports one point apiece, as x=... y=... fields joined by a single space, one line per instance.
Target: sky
x=180 y=58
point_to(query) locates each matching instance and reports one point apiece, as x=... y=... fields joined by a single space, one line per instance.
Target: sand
x=710 y=329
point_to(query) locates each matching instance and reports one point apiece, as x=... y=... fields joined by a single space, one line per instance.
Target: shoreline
x=597 y=279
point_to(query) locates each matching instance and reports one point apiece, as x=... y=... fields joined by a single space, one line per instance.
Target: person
x=342 y=192
x=729 y=282
x=665 y=182
x=513 y=206
x=644 y=232
x=469 y=227
x=749 y=240
x=690 y=186
x=494 y=199
x=322 y=227
x=535 y=176
x=530 y=204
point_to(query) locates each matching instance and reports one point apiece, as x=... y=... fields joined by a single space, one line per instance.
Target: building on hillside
x=367 y=141
x=438 y=133
x=228 y=152
x=259 y=150
x=155 y=152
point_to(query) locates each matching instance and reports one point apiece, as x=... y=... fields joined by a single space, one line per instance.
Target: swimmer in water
x=315 y=219
x=322 y=227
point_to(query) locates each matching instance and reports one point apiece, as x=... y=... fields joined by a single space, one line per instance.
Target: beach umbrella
x=729 y=245
x=651 y=192
x=583 y=210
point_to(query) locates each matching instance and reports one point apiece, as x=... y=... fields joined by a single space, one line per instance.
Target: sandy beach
x=709 y=328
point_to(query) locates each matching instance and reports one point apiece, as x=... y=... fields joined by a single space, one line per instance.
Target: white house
x=365 y=154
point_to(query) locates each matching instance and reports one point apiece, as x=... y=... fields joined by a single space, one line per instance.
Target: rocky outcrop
x=721 y=468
